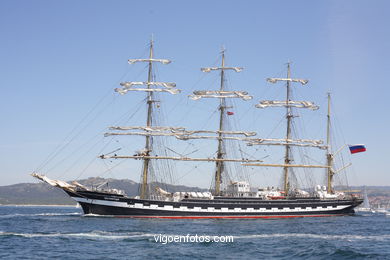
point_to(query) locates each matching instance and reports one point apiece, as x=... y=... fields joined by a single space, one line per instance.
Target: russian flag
x=357 y=148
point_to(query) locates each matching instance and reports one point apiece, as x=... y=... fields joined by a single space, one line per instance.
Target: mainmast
x=220 y=152
x=145 y=171
x=329 y=155
x=289 y=116
x=222 y=95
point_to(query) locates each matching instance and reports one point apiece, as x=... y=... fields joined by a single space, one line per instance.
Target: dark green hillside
x=44 y=194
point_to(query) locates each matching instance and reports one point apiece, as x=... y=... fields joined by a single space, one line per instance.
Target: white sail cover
x=163 y=61
x=175 y=158
x=322 y=147
x=236 y=69
x=298 y=104
x=171 y=91
x=178 y=132
x=147 y=128
x=148 y=131
x=177 y=135
x=274 y=80
x=187 y=132
x=260 y=140
x=290 y=142
x=198 y=94
x=130 y=86
x=54 y=183
x=188 y=137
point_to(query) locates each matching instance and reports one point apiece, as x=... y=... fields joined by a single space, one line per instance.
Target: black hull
x=120 y=206
x=141 y=213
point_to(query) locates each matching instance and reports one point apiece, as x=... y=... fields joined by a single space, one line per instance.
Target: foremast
x=151 y=87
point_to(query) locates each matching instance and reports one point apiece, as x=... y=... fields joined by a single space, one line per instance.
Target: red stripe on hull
x=229 y=217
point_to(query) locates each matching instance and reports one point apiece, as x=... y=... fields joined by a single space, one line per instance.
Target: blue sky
x=59 y=58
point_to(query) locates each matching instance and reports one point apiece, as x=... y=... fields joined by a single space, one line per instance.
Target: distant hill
x=371 y=190
x=33 y=194
x=44 y=194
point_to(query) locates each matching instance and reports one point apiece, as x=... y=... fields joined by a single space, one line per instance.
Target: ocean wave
x=41 y=214
x=139 y=235
x=317 y=236
x=97 y=215
x=98 y=235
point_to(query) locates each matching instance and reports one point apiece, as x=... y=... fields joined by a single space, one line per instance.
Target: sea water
x=65 y=233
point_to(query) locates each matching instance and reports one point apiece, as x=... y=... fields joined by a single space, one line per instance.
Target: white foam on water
x=315 y=236
x=60 y=214
x=41 y=214
x=97 y=215
x=90 y=235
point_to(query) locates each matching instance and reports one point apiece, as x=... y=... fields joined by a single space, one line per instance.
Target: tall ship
x=227 y=197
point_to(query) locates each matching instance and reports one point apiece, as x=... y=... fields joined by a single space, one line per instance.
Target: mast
x=149 y=131
x=289 y=116
x=288 y=142
x=145 y=170
x=329 y=155
x=220 y=152
x=151 y=86
x=222 y=94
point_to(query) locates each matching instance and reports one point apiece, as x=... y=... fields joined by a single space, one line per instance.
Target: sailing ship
x=226 y=199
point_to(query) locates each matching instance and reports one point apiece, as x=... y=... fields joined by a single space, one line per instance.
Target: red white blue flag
x=357 y=148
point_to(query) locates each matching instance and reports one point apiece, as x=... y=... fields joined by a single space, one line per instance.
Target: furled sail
x=236 y=69
x=220 y=94
x=274 y=80
x=292 y=142
x=148 y=128
x=130 y=86
x=298 y=104
x=178 y=132
x=175 y=158
x=163 y=61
